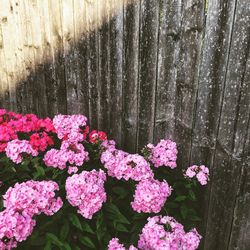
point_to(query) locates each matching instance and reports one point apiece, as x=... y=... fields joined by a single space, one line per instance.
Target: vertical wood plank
x=81 y=60
x=69 y=51
x=116 y=59
x=226 y=176
x=56 y=88
x=130 y=74
x=10 y=60
x=214 y=59
x=92 y=57
x=48 y=58
x=4 y=84
x=38 y=81
x=240 y=238
x=188 y=62
x=104 y=65
x=219 y=22
x=169 y=36
x=147 y=70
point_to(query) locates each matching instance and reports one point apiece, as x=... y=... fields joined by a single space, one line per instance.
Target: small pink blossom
x=14 y=227
x=163 y=154
x=33 y=198
x=115 y=245
x=150 y=196
x=16 y=148
x=72 y=170
x=86 y=191
x=69 y=127
x=200 y=172
x=165 y=233
x=69 y=153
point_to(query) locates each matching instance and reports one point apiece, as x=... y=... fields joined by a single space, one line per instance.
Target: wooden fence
x=142 y=70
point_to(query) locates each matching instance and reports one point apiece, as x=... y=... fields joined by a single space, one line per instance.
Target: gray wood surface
x=142 y=70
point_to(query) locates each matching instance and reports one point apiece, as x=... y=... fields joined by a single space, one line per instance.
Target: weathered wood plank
x=69 y=51
x=38 y=81
x=81 y=60
x=116 y=59
x=10 y=59
x=56 y=88
x=169 y=34
x=149 y=29
x=215 y=49
x=104 y=66
x=92 y=57
x=236 y=95
x=4 y=85
x=130 y=75
x=48 y=59
x=187 y=63
x=240 y=237
x=21 y=87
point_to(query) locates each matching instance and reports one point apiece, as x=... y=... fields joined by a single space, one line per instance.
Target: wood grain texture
x=228 y=161
x=168 y=49
x=130 y=75
x=116 y=63
x=188 y=62
x=149 y=29
x=143 y=70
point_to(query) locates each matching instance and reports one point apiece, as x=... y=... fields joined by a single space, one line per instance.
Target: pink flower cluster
x=165 y=233
x=14 y=227
x=123 y=165
x=150 y=196
x=33 y=198
x=27 y=123
x=200 y=172
x=11 y=124
x=21 y=203
x=69 y=127
x=86 y=191
x=16 y=148
x=163 y=154
x=115 y=245
x=69 y=153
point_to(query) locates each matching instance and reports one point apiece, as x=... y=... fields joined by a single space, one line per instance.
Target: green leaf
x=121 y=228
x=86 y=241
x=40 y=170
x=48 y=245
x=115 y=214
x=181 y=198
x=139 y=216
x=86 y=227
x=192 y=195
x=170 y=204
x=189 y=185
x=194 y=218
x=122 y=192
x=66 y=246
x=75 y=221
x=64 y=230
x=54 y=239
x=184 y=211
x=99 y=221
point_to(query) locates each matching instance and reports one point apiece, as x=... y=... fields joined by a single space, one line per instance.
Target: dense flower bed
x=66 y=186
